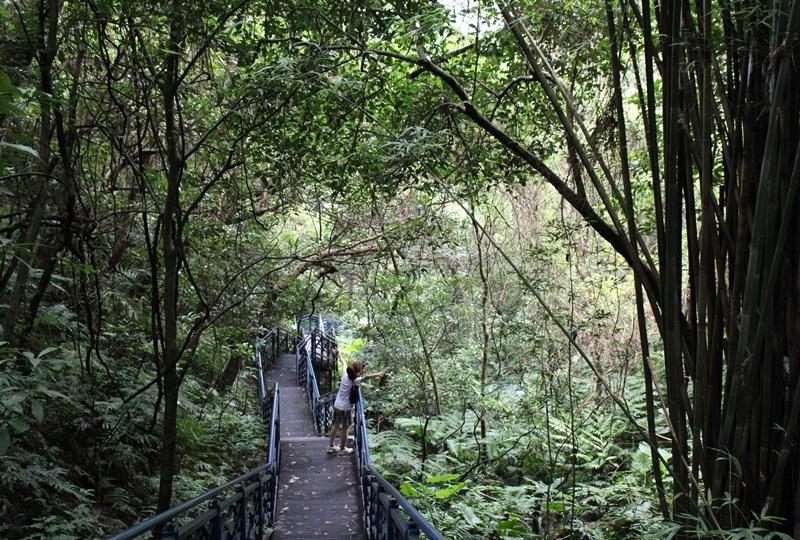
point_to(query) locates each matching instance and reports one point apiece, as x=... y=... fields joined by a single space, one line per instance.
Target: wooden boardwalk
x=318 y=495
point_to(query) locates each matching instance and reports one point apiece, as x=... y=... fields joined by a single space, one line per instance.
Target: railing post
x=260 y=510
x=262 y=391
x=274 y=486
x=169 y=532
x=392 y=526
x=314 y=346
x=216 y=521
x=412 y=533
x=242 y=512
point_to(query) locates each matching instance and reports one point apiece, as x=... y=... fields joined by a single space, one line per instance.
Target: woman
x=351 y=379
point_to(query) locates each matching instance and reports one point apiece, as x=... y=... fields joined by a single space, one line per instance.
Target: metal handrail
x=163 y=518
x=311 y=383
x=416 y=518
x=379 y=498
x=274 y=453
x=298 y=356
x=259 y=487
x=265 y=477
x=312 y=342
x=307 y=377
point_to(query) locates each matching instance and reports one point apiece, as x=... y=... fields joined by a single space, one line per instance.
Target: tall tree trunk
x=47 y=46
x=671 y=266
x=482 y=271
x=169 y=245
x=630 y=214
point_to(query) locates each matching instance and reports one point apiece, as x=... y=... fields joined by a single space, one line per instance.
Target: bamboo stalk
x=616 y=69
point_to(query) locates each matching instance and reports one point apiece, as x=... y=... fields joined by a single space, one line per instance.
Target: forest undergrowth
x=540 y=470
x=80 y=450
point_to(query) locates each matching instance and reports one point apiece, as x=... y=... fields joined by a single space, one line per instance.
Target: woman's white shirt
x=342 y=402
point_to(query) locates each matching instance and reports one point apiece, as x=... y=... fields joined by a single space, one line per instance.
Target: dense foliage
x=564 y=228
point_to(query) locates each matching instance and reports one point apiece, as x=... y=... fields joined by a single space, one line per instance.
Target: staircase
x=302 y=492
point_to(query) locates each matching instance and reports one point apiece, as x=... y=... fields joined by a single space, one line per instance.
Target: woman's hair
x=354 y=369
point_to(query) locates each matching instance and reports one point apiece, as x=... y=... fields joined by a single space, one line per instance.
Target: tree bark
x=170 y=219
x=484 y=324
x=47 y=46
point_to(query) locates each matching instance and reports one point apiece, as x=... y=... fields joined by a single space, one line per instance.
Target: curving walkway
x=318 y=495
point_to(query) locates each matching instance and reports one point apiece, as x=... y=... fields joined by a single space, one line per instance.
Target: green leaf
x=449 y=491
x=469 y=515
x=5 y=85
x=556 y=506
x=5 y=440
x=511 y=527
x=19 y=425
x=21 y=148
x=736 y=465
x=13 y=399
x=439 y=478
x=48 y=350
x=8 y=92
x=34 y=360
x=408 y=490
x=37 y=409
x=50 y=393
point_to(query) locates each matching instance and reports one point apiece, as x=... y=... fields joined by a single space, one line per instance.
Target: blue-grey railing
x=387 y=514
x=239 y=509
x=307 y=323
x=321 y=404
x=316 y=354
x=267 y=349
x=244 y=508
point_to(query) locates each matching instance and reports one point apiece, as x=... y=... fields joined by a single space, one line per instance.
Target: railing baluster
x=242 y=512
x=216 y=520
x=261 y=512
x=169 y=532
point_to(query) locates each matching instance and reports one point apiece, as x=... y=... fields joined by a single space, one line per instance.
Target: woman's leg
x=334 y=429
x=344 y=428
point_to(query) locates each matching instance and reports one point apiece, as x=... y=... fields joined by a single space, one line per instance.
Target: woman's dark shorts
x=341 y=418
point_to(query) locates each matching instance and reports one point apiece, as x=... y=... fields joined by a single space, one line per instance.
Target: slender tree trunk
x=484 y=323
x=428 y=361
x=169 y=246
x=47 y=45
x=641 y=316
x=49 y=264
